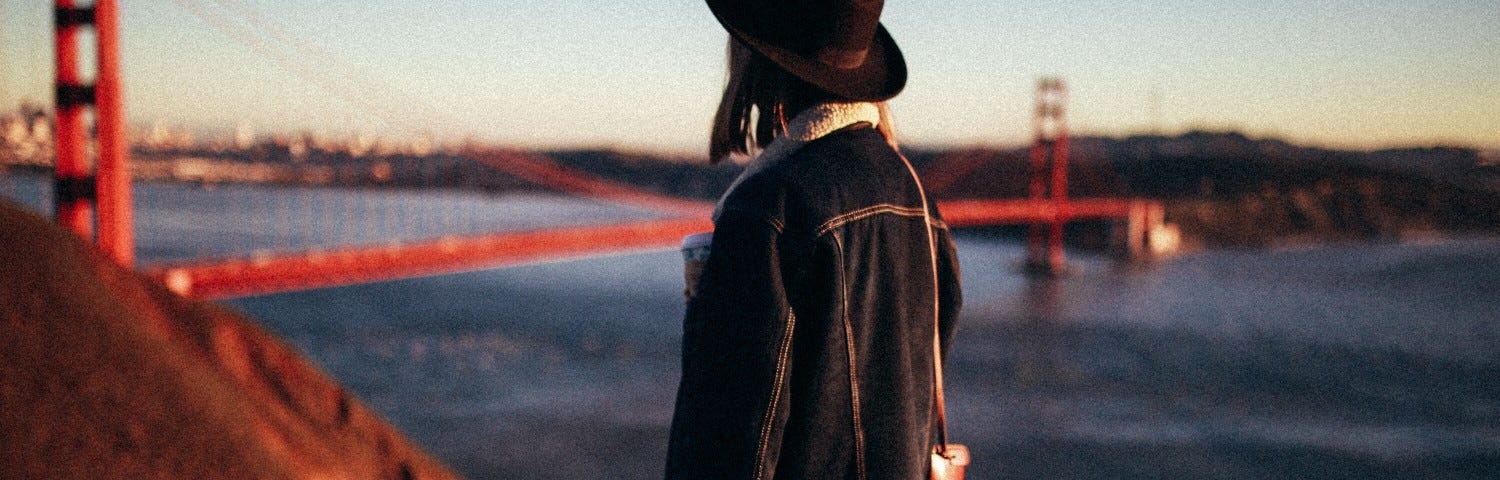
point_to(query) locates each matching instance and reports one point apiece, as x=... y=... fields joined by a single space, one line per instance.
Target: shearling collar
x=812 y=124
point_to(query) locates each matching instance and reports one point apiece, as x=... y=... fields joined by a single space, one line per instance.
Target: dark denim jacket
x=807 y=352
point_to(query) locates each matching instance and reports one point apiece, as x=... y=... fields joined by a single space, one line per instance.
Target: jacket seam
x=869 y=211
x=854 y=405
x=771 y=407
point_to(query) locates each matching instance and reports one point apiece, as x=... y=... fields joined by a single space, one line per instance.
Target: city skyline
x=645 y=75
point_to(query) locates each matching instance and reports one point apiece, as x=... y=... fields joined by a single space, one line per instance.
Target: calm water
x=1348 y=361
x=177 y=221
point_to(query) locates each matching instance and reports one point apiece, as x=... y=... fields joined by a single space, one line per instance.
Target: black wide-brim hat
x=836 y=45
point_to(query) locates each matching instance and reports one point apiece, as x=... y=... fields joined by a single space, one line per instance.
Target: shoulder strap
x=940 y=412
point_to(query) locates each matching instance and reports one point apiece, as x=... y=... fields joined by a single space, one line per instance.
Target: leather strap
x=939 y=407
x=940 y=411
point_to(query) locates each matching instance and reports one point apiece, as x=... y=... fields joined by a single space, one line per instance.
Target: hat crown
x=838 y=33
x=837 y=45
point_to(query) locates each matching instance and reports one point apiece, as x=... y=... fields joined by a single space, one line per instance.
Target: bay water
x=1356 y=360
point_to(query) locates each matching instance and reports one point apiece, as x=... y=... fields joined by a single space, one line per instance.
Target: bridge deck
x=260 y=275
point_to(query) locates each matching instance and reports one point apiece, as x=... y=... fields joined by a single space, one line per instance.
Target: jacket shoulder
x=830 y=176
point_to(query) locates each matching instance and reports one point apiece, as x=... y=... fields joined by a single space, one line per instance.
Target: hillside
x=1224 y=189
x=107 y=375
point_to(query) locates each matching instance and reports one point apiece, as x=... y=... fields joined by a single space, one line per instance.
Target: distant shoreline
x=1221 y=189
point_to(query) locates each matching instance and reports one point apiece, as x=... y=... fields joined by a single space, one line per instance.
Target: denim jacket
x=807 y=350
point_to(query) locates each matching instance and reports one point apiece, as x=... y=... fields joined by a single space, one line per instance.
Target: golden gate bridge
x=101 y=196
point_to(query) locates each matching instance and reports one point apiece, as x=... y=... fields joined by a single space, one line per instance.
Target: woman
x=808 y=344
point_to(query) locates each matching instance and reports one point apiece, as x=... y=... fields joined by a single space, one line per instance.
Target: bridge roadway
x=291 y=271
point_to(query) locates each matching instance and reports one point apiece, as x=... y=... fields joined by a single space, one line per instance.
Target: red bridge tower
x=1049 y=175
x=78 y=190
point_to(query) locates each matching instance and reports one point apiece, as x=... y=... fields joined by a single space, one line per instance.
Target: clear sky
x=645 y=74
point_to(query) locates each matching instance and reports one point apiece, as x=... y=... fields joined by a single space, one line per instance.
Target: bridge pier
x=1044 y=249
x=1145 y=233
x=1140 y=231
x=1143 y=220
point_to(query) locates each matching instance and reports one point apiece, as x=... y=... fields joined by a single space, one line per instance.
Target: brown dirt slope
x=104 y=374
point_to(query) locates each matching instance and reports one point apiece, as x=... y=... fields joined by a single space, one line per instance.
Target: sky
x=646 y=74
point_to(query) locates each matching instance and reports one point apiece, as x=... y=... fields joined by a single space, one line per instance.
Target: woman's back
x=846 y=271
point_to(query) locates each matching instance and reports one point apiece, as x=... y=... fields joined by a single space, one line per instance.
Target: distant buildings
x=162 y=151
x=162 y=137
x=26 y=138
x=244 y=138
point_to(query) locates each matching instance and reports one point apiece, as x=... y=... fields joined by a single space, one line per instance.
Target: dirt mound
x=104 y=374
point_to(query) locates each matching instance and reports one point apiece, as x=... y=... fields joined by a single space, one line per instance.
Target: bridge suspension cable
x=295 y=55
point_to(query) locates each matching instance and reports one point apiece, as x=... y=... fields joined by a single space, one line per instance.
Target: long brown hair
x=759 y=98
x=753 y=110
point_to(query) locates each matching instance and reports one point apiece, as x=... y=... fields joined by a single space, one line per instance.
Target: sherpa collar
x=814 y=123
x=811 y=124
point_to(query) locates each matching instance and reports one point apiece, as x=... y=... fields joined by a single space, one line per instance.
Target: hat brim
x=881 y=76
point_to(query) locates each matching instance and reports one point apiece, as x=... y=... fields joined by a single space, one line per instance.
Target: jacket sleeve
x=736 y=349
x=950 y=291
